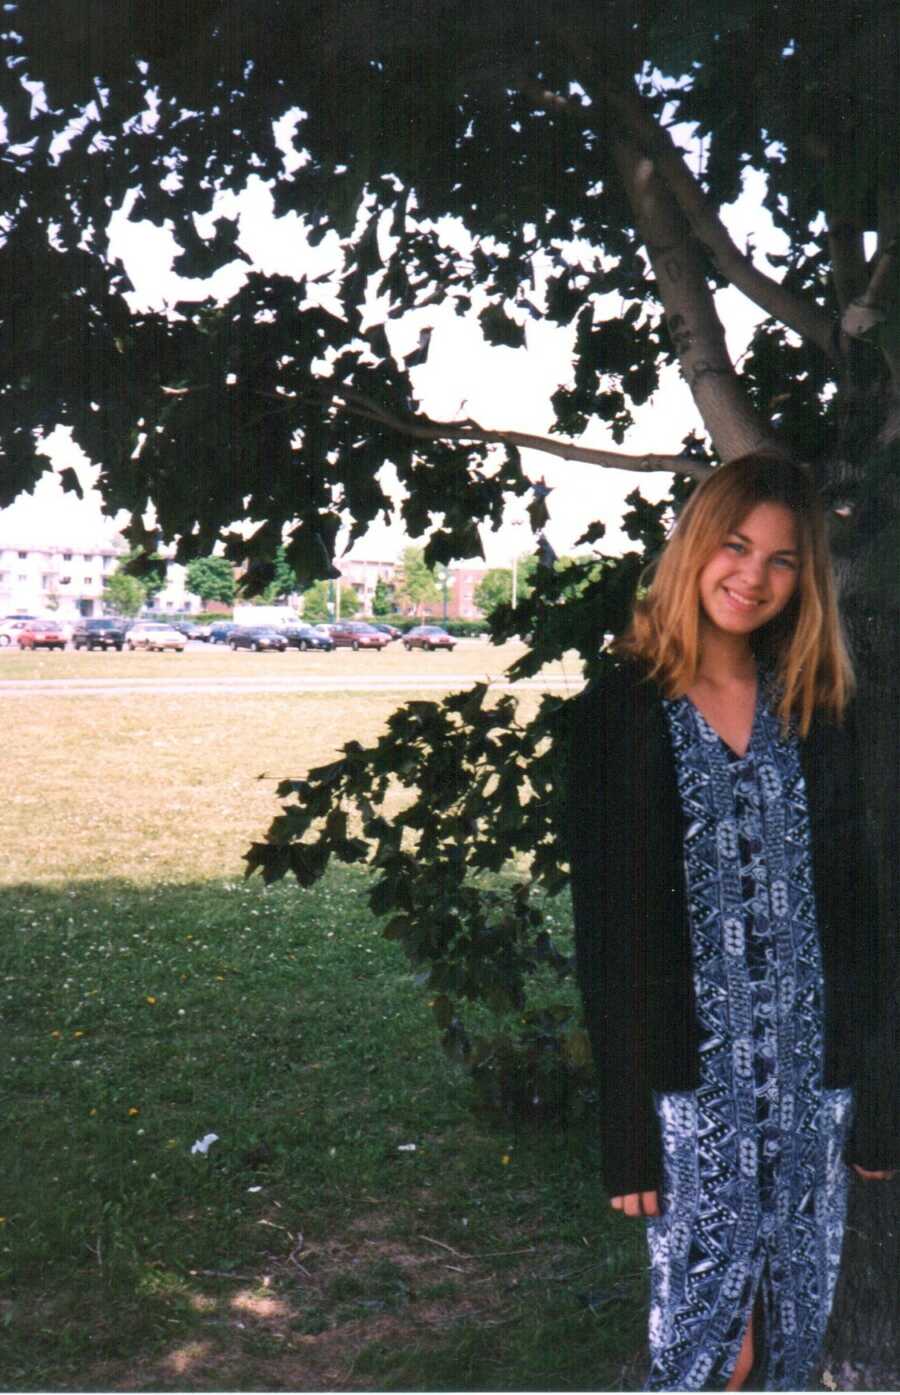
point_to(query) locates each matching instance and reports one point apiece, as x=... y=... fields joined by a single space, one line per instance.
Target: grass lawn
x=356 y=1225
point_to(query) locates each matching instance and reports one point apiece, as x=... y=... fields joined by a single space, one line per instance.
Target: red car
x=356 y=634
x=42 y=634
x=428 y=637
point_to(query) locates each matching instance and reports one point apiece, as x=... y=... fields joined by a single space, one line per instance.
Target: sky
x=463 y=376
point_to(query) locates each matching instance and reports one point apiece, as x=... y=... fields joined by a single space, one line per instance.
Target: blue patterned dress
x=754 y=1188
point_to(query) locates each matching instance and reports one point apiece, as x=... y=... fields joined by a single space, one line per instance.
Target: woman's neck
x=725 y=660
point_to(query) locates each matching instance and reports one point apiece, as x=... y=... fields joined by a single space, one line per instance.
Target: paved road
x=368 y=683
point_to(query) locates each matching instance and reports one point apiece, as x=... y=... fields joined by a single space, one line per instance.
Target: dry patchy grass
x=164 y=787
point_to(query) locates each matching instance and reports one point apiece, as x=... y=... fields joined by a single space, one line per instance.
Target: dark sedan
x=305 y=637
x=99 y=632
x=257 y=637
x=428 y=637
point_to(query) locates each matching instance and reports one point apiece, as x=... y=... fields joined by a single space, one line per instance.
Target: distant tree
x=350 y=602
x=284 y=580
x=211 y=578
x=146 y=565
x=418 y=586
x=383 y=598
x=124 y=594
x=495 y=587
x=314 y=602
x=316 y=598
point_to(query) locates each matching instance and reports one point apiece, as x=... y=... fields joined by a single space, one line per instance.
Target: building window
x=22 y=556
x=67 y=556
x=89 y=556
x=47 y=581
x=65 y=581
x=88 y=581
x=23 y=576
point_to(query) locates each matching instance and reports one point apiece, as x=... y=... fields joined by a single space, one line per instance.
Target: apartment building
x=364 y=575
x=49 y=578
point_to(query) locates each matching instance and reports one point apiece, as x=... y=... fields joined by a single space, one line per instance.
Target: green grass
x=150 y=996
x=282 y=1022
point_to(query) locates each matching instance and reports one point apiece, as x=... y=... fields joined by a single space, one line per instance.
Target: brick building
x=364 y=575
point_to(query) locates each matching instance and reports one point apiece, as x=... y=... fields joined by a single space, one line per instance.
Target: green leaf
x=499 y=329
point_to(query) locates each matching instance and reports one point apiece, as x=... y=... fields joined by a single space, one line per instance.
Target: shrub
x=465 y=873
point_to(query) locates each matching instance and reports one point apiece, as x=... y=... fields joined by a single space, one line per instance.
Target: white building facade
x=57 y=552
x=54 y=579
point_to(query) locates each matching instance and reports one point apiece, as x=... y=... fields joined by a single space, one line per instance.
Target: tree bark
x=799 y=314
x=863 y=1345
x=690 y=309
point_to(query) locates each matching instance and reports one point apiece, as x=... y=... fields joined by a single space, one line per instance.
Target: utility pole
x=515 y=523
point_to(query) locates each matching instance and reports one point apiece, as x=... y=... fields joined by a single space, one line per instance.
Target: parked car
x=257 y=637
x=390 y=630
x=220 y=630
x=42 y=634
x=99 y=632
x=356 y=634
x=149 y=636
x=12 y=627
x=189 y=630
x=305 y=637
x=428 y=637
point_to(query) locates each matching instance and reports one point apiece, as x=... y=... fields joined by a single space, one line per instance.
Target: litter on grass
x=204 y=1144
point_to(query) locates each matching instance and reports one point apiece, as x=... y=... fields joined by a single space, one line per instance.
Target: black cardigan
x=633 y=946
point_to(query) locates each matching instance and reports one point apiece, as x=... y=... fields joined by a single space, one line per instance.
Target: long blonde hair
x=804 y=644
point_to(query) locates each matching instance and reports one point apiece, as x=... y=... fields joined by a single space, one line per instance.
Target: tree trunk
x=863 y=1346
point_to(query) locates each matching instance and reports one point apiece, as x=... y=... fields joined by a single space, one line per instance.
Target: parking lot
x=215 y=668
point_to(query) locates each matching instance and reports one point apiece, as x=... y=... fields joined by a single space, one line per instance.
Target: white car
x=10 y=627
x=152 y=636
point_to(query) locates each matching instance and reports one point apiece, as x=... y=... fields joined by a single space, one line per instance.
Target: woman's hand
x=885 y=1176
x=637 y=1204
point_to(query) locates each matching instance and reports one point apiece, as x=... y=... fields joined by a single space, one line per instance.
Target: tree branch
x=690 y=309
x=848 y=260
x=873 y=304
x=422 y=428
x=794 y=311
x=691 y=316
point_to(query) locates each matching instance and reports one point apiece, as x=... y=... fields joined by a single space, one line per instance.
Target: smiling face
x=752 y=576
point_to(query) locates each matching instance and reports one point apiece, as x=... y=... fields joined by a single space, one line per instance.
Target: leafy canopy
x=281 y=403
x=211 y=578
x=124 y=594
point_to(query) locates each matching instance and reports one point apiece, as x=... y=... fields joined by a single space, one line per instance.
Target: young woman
x=726 y=932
